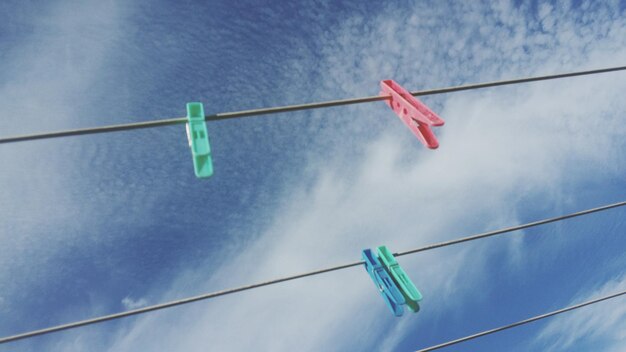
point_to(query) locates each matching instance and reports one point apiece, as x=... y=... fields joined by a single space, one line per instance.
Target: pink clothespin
x=415 y=114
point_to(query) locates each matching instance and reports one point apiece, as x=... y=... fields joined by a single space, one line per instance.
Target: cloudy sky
x=98 y=224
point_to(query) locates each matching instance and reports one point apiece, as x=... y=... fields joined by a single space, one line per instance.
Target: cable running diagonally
x=265 y=111
x=522 y=322
x=293 y=277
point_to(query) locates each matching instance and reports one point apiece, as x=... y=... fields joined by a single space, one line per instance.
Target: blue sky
x=98 y=224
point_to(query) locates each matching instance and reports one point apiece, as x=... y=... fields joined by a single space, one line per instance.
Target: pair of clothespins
x=415 y=114
x=198 y=137
x=392 y=282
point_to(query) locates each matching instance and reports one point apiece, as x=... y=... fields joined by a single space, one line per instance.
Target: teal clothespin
x=411 y=294
x=198 y=137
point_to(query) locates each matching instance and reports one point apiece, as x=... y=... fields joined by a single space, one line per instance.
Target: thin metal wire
x=526 y=321
x=94 y=130
x=511 y=229
x=288 y=278
x=167 y=304
x=281 y=109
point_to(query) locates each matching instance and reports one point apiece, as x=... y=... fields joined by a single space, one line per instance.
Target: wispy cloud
x=603 y=324
x=368 y=182
x=497 y=147
x=130 y=303
x=61 y=53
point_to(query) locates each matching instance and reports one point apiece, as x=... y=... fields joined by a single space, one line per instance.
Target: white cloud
x=46 y=76
x=497 y=146
x=130 y=303
x=602 y=324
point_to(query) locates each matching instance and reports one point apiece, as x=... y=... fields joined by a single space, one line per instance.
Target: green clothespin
x=198 y=137
x=408 y=289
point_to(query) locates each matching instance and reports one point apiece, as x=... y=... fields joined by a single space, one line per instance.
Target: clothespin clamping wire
x=198 y=137
x=413 y=113
x=393 y=283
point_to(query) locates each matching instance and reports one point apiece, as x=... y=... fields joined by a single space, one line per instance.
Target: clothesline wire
x=293 y=277
x=522 y=322
x=280 y=109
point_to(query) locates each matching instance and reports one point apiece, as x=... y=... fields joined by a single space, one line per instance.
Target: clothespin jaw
x=198 y=137
x=415 y=114
x=387 y=287
x=411 y=294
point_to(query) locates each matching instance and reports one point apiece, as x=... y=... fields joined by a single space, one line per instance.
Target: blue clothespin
x=387 y=287
x=198 y=137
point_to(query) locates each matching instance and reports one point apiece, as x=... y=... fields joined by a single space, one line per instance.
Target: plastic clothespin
x=198 y=138
x=415 y=114
x=383 y=281
x=411 y=294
